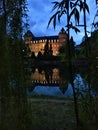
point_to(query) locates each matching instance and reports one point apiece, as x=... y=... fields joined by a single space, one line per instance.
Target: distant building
x=37 y=44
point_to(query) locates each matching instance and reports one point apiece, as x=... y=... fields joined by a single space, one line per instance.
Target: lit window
x=40 y=41
x=54 y=40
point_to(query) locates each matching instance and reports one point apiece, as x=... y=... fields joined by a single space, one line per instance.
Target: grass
x=50 y=115
x=57 y=113
x=42 y=112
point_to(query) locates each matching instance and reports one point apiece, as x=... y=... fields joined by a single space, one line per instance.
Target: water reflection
x=55 y=80
x=45 y=78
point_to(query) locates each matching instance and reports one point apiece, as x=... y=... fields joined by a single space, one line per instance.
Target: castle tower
x=28 y=37
x=62 y=36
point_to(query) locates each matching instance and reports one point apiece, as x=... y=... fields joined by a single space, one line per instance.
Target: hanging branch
x=69 y=7
x=5 y=15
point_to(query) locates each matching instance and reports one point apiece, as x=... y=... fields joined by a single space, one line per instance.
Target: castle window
x=40 y=41
x=57 y=40
x=54 y=40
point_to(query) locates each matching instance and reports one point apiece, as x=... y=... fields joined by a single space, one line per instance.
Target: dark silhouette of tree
x=69 y=8
x=48 y=74
x=39 y=56
x=50 y=50
x=33 y=55
x=95 y=22
x=64 y=49
x=12 y=77
x=46 y=49
x=72 y=47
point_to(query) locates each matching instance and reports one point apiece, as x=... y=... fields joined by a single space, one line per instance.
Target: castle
x=37 y=44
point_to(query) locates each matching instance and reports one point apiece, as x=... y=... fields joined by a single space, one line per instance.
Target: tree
x=50 y=50
x=72 y=47
x=63 y=50
x=12 y=80
x=39 y=56
x=46 y=49
x=70 y=9
x=33 y=55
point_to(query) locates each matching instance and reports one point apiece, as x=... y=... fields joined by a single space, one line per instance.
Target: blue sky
x=40 y=12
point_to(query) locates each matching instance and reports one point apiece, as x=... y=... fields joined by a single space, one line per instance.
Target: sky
x=39 y=13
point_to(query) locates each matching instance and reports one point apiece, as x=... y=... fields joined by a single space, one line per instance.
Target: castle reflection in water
x=47 y=76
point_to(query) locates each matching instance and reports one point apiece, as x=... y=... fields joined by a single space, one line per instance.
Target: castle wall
x=37 y=45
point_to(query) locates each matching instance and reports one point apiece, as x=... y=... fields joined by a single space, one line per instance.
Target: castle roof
x=46 y=37
x=29 y=34
x=63 y=31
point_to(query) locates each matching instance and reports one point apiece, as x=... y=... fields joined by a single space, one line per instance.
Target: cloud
x=40 y=13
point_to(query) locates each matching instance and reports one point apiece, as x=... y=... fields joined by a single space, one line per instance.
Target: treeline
x=12 y=81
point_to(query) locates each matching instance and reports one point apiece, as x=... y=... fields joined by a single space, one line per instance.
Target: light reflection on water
x=51 y=91
x=54 y=81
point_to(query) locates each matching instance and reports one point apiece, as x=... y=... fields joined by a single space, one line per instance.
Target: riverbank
x=57 y=113
x=41 y=112
x=53 y=114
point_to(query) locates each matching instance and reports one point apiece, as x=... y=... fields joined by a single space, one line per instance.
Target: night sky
x=40 y=13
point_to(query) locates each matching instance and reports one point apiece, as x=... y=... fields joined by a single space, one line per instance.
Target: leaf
x=56 y=4
x=60 y=14
x=66 y=4
x=76 y=3
x=54 y=22
x=54 y=19
x=81 y=5
x=75 y=12
x=86 y=7
x=77 y=16
x=72 y=27
x=72 y=13
x=71 y=5
x=75 y=29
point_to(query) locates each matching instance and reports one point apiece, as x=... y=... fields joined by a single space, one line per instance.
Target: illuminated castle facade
x=37 y=44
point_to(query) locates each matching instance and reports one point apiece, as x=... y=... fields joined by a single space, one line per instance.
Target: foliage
x=47 y=49
x=63 y=8
x=94 y=43
x=13 y=102
x=63 y=51
x=33 y=55
x=39 y=56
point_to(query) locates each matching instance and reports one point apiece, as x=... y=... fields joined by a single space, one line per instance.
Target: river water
x=55 y=81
